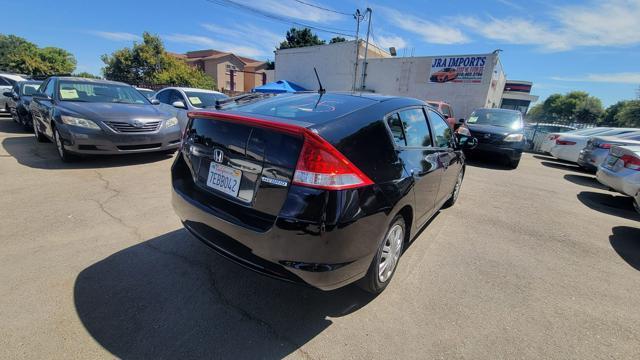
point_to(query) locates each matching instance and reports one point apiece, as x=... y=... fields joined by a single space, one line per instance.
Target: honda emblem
x=218 y=155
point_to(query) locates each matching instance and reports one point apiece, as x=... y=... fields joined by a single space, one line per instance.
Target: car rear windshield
x=204 y=99
x=309 y=107
x=100 y=92
x=28 y=89
x=508 y=119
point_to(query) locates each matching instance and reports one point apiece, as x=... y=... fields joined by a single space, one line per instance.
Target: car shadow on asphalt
x=487 y=162
x=7 y=125
x=551 y=158
x=173 y=297
x=583 y=180
x=621 y=206
x=625 y=241
x=564 y=166
x=27 y=151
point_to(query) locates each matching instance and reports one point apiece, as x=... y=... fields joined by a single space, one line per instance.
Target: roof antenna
x=321 y=90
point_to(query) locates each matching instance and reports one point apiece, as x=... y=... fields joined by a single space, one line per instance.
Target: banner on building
x=460 y=69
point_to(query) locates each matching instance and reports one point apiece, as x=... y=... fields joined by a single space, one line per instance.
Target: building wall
x=402 y=76
x=335 y=64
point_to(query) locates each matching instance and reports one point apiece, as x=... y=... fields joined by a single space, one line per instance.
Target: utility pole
x=366 y=50
x=358 y=18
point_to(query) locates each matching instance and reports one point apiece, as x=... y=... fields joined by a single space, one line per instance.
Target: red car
x=446 y=110
x=444 y=75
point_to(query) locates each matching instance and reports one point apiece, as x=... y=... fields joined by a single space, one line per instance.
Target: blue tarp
x=280 y=86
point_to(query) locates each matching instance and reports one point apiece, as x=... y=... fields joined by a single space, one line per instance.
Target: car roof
x=498 y=110
x=190 y=89
x=14 y=77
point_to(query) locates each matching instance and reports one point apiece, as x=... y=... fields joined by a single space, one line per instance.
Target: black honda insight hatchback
x=323 y=189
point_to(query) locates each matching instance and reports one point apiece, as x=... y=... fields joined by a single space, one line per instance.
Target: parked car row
x=613 y=153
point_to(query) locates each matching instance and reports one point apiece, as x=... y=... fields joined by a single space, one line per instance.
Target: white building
x=467 y=82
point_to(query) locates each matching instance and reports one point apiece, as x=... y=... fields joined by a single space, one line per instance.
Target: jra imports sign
x=466 y=70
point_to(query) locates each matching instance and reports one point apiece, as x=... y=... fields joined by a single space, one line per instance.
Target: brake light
x=604 y=146
x=320 y=165
x=631 y=162
x=564 y=142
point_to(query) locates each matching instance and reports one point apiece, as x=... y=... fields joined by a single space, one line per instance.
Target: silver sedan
x=621 y=170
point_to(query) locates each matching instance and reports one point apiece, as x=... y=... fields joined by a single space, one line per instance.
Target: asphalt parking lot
x=537 y=262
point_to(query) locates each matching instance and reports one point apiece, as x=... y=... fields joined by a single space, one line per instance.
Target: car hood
x=492 y=129
x=113 y=111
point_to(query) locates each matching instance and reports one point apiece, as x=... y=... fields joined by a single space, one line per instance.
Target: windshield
x=29 y=89
x=507 y=119
x=100 y=92
x=204 y=99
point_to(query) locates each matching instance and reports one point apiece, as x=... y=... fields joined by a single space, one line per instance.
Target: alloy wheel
x=390 y=252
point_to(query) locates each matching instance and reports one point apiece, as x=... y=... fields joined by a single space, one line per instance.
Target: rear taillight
x=320 y=165
x=564 y=142
x=604 y=146
x=631 y=162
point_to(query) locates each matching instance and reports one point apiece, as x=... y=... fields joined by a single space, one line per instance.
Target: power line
x=323 y=8
x=283 y=19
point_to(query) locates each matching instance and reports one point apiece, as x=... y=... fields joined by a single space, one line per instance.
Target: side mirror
x=8 y=94
x=41 y=96
x=179 y=104
x=156 y=101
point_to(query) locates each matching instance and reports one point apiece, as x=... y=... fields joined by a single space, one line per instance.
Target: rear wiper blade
x=244 y=98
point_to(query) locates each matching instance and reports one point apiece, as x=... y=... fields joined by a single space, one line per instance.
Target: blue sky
x=560 y=46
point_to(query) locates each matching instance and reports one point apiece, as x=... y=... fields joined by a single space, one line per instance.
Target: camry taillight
x=631 y=162
x=320 y=165
x=564 y=142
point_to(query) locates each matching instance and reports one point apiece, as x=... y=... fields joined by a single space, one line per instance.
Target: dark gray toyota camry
x=87 y=116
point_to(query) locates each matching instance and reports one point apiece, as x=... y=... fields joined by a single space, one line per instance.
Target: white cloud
x=617 y=78
x=294 y=10
x=387 y=41
x=117 y=36
x=248 y=34
x=431 y=32
x=614 y=23
x=215 y=44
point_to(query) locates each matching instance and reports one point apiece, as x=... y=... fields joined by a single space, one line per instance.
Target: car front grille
x=124 y=127
x=487 y=138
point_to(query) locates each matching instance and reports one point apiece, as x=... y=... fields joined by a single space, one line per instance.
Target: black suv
x=499 y=132
x=322 y=189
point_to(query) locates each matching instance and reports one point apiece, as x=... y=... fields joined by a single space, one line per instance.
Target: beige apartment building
x=222 y=66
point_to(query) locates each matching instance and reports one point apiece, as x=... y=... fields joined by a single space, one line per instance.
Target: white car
x=183 y=100
x=6 y=84
x=550 y=140
x=620 y=171
x=568 y=146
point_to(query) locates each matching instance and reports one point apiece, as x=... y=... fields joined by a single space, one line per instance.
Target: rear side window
x=441 y=130
x=416 y=129
x=50 y=88
x=4 y=82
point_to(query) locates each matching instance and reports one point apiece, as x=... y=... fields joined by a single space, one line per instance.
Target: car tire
x=513 y=164
x=388 y=254
x=456 y=191
x=38 y=134
x=64 y=155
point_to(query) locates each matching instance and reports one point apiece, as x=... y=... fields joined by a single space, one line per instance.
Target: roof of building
x=215 y=54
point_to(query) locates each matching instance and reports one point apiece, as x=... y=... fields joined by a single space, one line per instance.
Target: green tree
x=576 y=106
x=86 y=75
x=149 y=63
x=21 y=56
x=629 y=115
x=271 y=65
x=297 y=38
x=337 y=39
x=536 y=113
x=610 y=114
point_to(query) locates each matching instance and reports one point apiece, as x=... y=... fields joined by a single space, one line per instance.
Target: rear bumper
x=289 y=251
x=590 y=160
x=88 y=141
x=513 y=153
x=625 y=181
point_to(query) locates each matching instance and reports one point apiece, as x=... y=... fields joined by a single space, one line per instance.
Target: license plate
x=224 y=178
